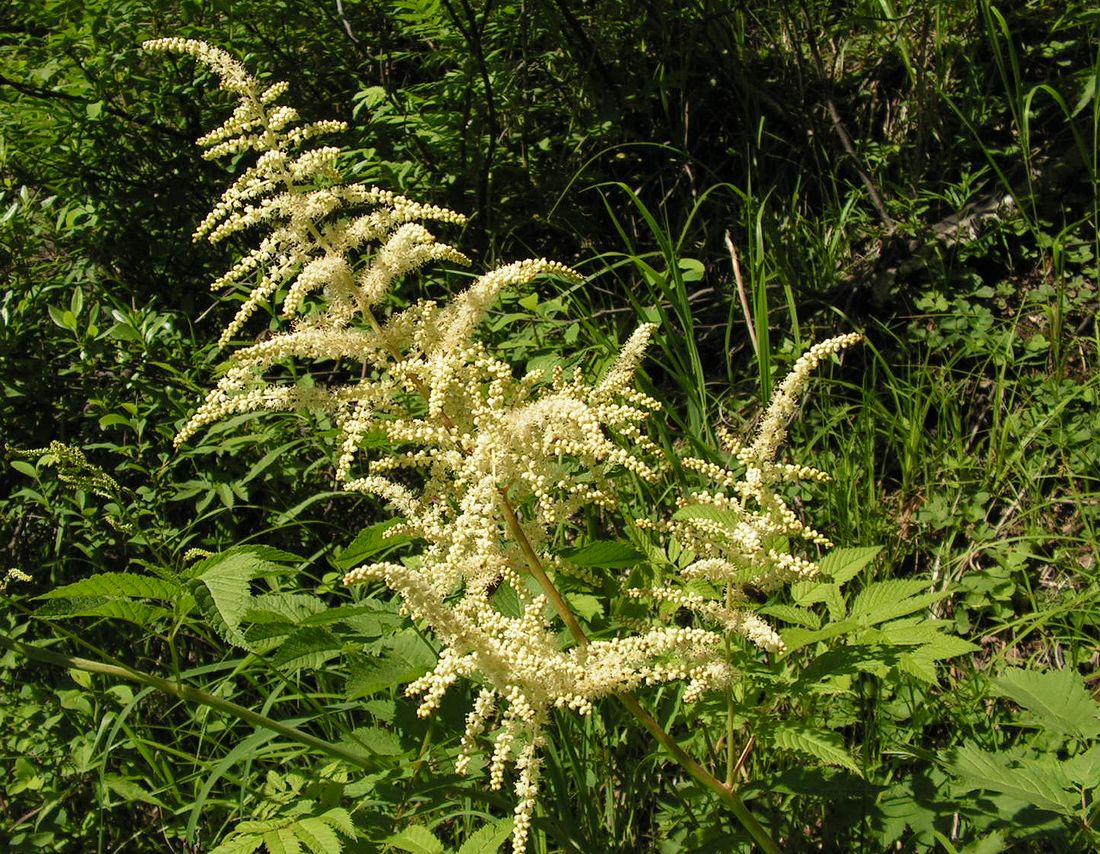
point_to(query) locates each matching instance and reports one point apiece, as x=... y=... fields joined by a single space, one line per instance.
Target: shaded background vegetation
x=925 y=172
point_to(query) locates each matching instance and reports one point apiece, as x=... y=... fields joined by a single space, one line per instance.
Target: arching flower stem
x=682 y=757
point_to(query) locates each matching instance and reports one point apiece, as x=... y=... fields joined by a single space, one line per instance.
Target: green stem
x=685 y=759
x=188 y=694
x=729 y=797
x=535 y=565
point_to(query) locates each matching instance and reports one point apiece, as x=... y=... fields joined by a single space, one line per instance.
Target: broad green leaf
x=416 y=839
x=282 y=841
x=23 y=467
x=309 y=647
x=404 y=657
x=1084 y=769
x=691 y=269
x=943 y=646
x=488 y=839
x=791 y=614
x=227 y=578
x=283 y=607
x=847 y=661
x=368 y=676
x=506 y=600
x=1041 y=782
x=888 y=600
x=264 y=560
x=317 y=836
x=812 y=592
x=373 y=741
x=823 y=745
x=1056 y=698
x=842 y=565
x=369 y=543
x=584 y=605
x=993 y=843
x=118 y=584
x=725 y=518
x=796 y=637
x=605 y=554
x=239 y=844
x=133 y=611
x=369 y=617
x=339 y=819
x=918 y=666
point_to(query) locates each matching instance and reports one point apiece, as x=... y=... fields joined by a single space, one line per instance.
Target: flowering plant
x=484 y=466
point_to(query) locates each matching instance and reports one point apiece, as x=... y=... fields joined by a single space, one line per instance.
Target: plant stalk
x=190 y=694
x=729 y=797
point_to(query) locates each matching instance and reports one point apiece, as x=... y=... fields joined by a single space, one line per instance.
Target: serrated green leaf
x=943 y=646
x=823 y=745
x=373 y=741
x=131 y=610
x=260 y=827
x=227 y=578
x=488 y=839
x=1041 y=782
x=291 y=608
x=369 y=617
x=992 y=843
x=847 y=661
x=317 y=836
x=791 y=614
x=725 y=518
x=812 y=592
x=117 y=584
x=309 y=647
x=264 y=560
x=1056 y=698
x=404 y=657
x=339 y=819
x=282 y=841
x=604 y=554
x=370 y=543
x=842 y=565
x=888 y=600
x=265 y=637
x=584 y=605
x=239 y=844
x=416 y=839
x=796 y=637
x=1084 y=769
x=918 y=666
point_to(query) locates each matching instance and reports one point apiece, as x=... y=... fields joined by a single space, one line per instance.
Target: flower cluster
x=739 y=531
x=481 y=464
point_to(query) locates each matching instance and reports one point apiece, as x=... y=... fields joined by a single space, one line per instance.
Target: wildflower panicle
x=482 y=465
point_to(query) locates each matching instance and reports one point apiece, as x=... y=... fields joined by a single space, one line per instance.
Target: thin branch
x=189 y=694
x=742 y=294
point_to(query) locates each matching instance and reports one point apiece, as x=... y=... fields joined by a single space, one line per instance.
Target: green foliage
x=1055 y=770
x=964 y=441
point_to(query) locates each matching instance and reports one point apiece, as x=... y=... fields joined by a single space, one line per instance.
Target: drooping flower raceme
x=481 y=465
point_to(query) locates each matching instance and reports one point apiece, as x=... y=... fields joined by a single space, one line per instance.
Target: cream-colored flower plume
x=482 y=464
